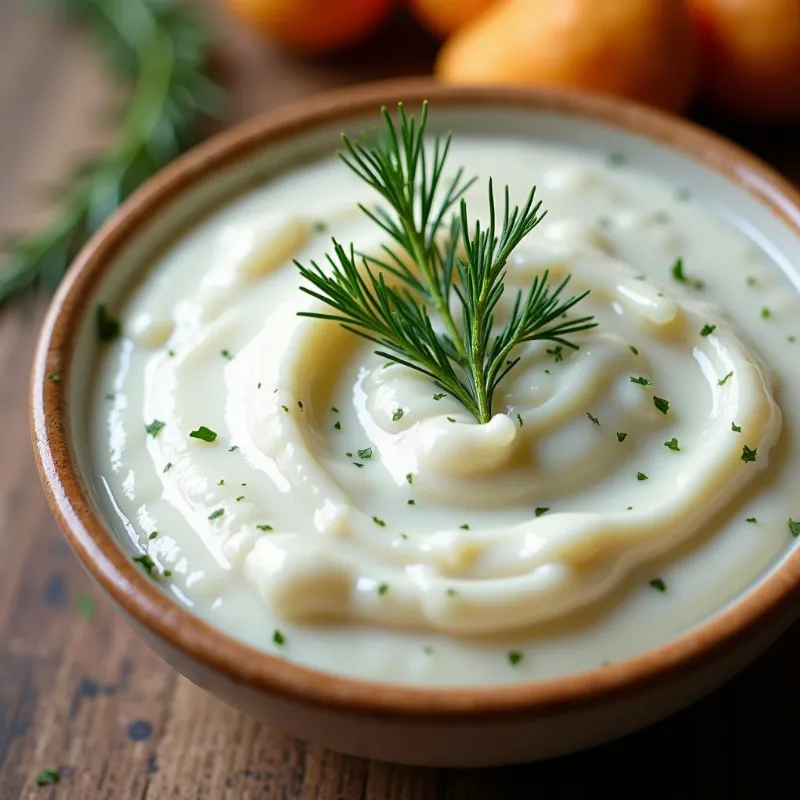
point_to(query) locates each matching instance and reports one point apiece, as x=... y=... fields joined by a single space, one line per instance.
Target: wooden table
x=79 y=691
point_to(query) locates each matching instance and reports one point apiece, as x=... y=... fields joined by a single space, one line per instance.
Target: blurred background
x=97 y=95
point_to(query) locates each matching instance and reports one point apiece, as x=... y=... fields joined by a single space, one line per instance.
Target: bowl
x=464 y=726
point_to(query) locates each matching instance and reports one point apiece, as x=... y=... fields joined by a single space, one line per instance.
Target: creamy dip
x=350 y=516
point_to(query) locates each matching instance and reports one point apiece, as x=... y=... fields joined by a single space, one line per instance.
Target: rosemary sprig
x=412 y=320
x=159 y=48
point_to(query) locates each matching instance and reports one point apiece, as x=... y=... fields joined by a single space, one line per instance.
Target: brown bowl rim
x=152 y=608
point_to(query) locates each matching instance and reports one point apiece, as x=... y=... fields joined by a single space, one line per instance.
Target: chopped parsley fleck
x=616 y=159
x=411 y=502
x=450 y=419
x=349 y=455
x=641 y=381
x=409 y=477
x=464 y=527
x=723 y=381
x=155 y=427
x=658 y=584
x=85 y=605
x=334 y=409
x=365 y=453
x=168 y=467
x=547 y=372
x=751 y=519
x=765 y=313
x=358 y=465
x=540 y=510
x=593 y=419
x=153 y=535
x=108 y=327
x=398 y=414
x=681 y=277
x=633 y=350
x=240 y=498
x=439 y=395
x=621 y=436
x=750 y=280
x=661 y=404
x=672 y=444
x=278 y=637
x=167 y=573
x=204 y=434
x=337 y=425
x=258 y=385
x=794 y=528
x=285 y=408
x=707 y=330
x=748 y=454
x=319 y=226
x=54 y=377
x=221 y=482
x=264 y=527
x=171 y=353
x=640 y=476
x=147 y=563
x=300 y=404
x=216 y=514
x=629 y=508
x=557 y=352
x=736 y=428
x=226 y=354
x=404 y=536
x=514 y=657
x=383 y=588
x=378 y=521
x=233 y=448
x=519 y=419
x=48 y=777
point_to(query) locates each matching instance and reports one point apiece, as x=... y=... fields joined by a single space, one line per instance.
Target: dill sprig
x=404 y=301
x=159 y=48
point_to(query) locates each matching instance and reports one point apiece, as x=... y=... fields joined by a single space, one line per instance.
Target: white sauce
x=288 y=532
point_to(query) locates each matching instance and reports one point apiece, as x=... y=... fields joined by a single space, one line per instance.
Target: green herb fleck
x=85 y=605
x=672 y=444
x=383 y=588
x=358 y=465
x=337 y=425
x=240 y=498
x=464 y=527
x=153 y=535
x=108 y=327
x=285 y=408
x=409 y=478
x=794 y=527
x=593 y=419
x=349 y=455
x=398 y=414
x=723 y=381
x=621 y=436
x=680 y=276
x=750 y=280
x=633 y=350
x=748 y=454
x=264 y=527
x=450 y=419
x=379 y=522
x=411 y=502
x=334 y=409
x=147 y=563
x=641 y=381
x=366 y=453
x=736 y=428
x=168 y=467
x=48 y=777
x=319 y=226
x=658 y=584
x=707 y=330
x=439 y=395
x=226 y=354
x=278 y=637
x=751 y=519
x=216 y=514
x=519 y=419
x=640 y=476
x=204 y=434
x=540 y=510
x=300 y=404
x=167 y=573
x=557 y=352
x=661 y=404
x=765 y=313
x=54 y=377
x=514 y=657
x=155 y=427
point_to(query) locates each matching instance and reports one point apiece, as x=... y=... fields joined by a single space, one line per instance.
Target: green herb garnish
x=661 y=404
x=379 y=522
x=264 y=527
x=155 y=427
x=54 y=377
x=748 y=454
x=48 y=777
x=413 y=324
x=365 y=453
x=153 y=535
x=633 y=350
x=794 y=527
x=642 y=381
x=621 y=436
x=751 y=519
x=204 y=434
x=278 y=637
x=640 y=476
x=723 y=381
x=216 y=514
x=108 y=327
x=514 y=657
x=681 y=277
x=146 y=562
x=398 y=414
x=439 y=395
x=672 y=444
x=736 y=428
x=557 y=353
x=593 y=419
x=410 y=478
x=540 y=510
x=766 y=313
x=658 y=584
x=337 y=425
x=85 y=605
x=707 y=330
x=383 y=588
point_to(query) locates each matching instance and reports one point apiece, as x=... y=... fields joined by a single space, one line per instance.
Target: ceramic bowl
x=435 y=726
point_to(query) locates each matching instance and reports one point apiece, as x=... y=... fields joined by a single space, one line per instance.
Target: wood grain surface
x=78 y=691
